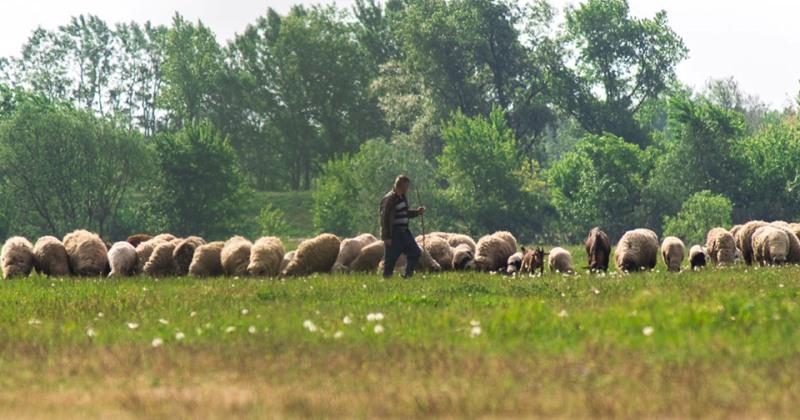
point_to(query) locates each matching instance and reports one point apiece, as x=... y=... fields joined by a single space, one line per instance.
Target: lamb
x=235 y=256
x=457 y=239
x=463 y=257
x=143 y=252
x=184 y=252
x=16 y=257
x=86 y=252
x=440 y=250
x=637 y=250
x=349 y=250
x=266 y=257
x=721 y=247
x=598 y=250
x=122 y=259
x=533 y=260
x=493 y=251
x=673 y=250
x=161 y=262
x=50 y=257
x=207 y=260
x=369 y=258
x=744 y=239
x=560 y=261
x=315 y=255
x=287 y=258
x=697 y=257
x=770 y=245
x=138 y=238
x=514 y=263
x=793 y=256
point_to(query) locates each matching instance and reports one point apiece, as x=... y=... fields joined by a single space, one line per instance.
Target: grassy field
x=716 y=343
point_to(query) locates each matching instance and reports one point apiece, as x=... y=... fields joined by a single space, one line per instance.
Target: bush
x=272 y=222
x=701 y=212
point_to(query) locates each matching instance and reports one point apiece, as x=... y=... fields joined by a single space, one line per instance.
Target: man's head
x=401 y=184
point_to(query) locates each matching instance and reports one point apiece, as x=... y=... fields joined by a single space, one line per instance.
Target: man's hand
x=421 y=210
x=387 y=243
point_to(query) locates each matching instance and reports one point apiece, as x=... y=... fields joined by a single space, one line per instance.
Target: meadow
x=714 y=343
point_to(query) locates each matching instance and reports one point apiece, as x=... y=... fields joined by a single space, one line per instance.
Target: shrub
x=272 y=222
x=701 y=212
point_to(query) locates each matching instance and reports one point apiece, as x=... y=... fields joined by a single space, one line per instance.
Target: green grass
x=724 y=343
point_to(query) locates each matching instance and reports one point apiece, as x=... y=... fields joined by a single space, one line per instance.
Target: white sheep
x=637 y=250
x=50 y=257
x=315 y=255
x=672 y=251
x=266 y=257
x=16 y=257
x=122 y=259
x=87 y=253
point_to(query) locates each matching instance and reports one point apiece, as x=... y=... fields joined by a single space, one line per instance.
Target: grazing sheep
x=463 y=257
x=369 y=258
x=349 y=250
x=162 y=262
x=560 y=261
x=444 y=235
x=235 y=256
x=266 y=257
x=287 y=258
x=143 y=252
x=721 y=247
x=735 y=230
x=167 y=237
x=425 y=263
x=315 y=255
x=697 y=257
x=770 y=245
x=637 y=250
x=493 y=251
x=16 y=257
x=50 y=257
x=184 y=252
x=457 y=239
x=138 y=238
x=795 y=227
x=87 y=253
x=122 y=259
x=744 y=239
x=793 y=256
x=207 y=260
x=598 y=250
x=533 y=260
x=673 y=250
x=514 y=263
x=440 y=250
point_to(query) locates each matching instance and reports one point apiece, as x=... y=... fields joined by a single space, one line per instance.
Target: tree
x=193 y=65
x=200 y=191
x=598 y=184
x=701 y=212
x=484 y=176
x=619 y=62
x=66 y=168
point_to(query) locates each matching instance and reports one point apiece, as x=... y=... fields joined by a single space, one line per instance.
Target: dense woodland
x=506 y=114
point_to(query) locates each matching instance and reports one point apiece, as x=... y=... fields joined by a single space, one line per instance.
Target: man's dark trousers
x=402 y=243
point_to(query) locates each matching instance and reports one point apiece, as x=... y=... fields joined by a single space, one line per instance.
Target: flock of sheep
x=83 y=253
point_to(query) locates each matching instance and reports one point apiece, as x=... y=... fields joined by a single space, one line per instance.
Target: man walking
x=394 y=228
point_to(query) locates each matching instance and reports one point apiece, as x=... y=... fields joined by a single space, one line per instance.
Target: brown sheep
x=206 y=261
x=184 y=253
x=87 y=253
x=16 y=257
x=598 y=250
x=50 y=257
x=721 y=247
x=744 y=239
x=533 y=260
x=637 y=250
x=673 y=250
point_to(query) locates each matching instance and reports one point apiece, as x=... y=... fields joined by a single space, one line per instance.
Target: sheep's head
x=533 y=260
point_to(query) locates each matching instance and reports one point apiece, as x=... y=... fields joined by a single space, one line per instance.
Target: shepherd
x=395 y=234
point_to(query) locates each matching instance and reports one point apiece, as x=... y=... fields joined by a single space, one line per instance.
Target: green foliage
x=628 y=59
x=598 y=184
x=272 y=222
x=66 y=169
x=348 y=192
x=771 y=172
x=484 y=177
x=701 y=212
x=200 y=191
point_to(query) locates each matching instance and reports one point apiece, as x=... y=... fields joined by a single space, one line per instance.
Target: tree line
x=505 y=113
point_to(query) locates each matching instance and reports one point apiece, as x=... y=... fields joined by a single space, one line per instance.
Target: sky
x=756 y=42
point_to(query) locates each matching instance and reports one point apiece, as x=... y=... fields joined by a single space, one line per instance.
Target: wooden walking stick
x=421 y=217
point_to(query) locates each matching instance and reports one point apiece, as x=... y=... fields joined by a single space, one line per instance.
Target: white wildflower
x=474 y=323
x=648 y=331
x=230 y=329
x=133 y=325
x=179 y=336
x=563 y=314
x=245 y=312
x=309 y=325
x=338 y=334
x=90 y=332
x=100 y=315
x=347 y=320
x=163 y=321
x=378 y=329
x=251 y=329
x=34 y=321
x=157 y=342
x=475 y=331
x=375 y=317
x=192 y=314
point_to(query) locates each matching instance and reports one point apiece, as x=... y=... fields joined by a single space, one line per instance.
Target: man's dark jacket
x=389 y=204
